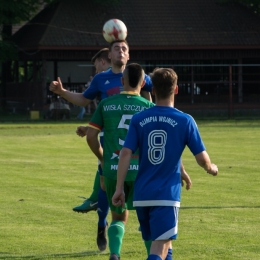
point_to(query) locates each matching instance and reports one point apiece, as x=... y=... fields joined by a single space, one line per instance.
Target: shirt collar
x=129 y=93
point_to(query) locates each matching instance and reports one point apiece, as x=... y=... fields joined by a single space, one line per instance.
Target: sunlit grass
x=45 y=167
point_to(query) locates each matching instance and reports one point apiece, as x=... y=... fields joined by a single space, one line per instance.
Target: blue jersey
x=108 y=83
x=161 y=134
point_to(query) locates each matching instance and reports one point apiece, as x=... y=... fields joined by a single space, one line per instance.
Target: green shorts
x=129 y=193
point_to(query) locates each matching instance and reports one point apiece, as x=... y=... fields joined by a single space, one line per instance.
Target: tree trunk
x=6 y=65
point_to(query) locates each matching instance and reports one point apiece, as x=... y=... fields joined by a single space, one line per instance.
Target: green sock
x=148 y=244
x=116 y=232
x=96 y=187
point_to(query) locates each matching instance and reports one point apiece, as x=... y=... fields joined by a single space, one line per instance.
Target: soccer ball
x=114 y=29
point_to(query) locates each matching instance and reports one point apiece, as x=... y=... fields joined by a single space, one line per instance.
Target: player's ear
x=143 y=83
x=176 y=90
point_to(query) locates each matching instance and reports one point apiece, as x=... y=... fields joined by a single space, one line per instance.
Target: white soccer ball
x=114 y=29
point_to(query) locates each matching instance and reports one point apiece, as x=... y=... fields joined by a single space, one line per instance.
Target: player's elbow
x=82 y=100
x=125 y=153
x=203 y=159
x=91 y=134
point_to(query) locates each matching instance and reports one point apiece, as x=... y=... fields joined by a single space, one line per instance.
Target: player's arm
x=118 y=198
x=203 y=160
x=94 y=144
x=74 y=98
x=185 y=177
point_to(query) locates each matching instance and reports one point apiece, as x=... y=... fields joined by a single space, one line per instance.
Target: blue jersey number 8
x=156 y=143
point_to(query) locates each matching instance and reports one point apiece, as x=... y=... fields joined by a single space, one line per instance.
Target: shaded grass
x=45 y=167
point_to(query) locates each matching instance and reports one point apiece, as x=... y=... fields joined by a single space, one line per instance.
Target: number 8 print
x=156 y=142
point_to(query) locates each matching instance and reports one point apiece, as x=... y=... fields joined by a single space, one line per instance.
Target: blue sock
x=154 y=257
x=169 y=255
x=103 y=208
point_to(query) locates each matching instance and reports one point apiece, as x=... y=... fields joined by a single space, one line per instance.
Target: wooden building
x=213 y=46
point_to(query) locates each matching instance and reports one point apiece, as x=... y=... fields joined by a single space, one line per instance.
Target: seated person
x=58 y=109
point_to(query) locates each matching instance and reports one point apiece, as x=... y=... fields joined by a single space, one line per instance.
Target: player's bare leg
x=159 y=248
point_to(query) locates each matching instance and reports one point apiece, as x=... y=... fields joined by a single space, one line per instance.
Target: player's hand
x=186 y=178
x=213 y=170
x=56 y=86
x=81 y=131
x=118 y=199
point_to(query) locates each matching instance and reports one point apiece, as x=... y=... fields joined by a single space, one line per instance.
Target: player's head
x=101 y=60
x=164 y=82
x=119 y=52
x=133 y=77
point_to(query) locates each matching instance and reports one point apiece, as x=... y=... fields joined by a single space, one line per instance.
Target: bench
x=58 y=114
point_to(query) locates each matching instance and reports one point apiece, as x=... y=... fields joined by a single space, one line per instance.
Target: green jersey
x=113 y=114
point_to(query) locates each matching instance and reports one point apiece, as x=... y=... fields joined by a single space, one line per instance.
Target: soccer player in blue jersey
x=105 y=84
x=101 y=63
x=161 y=134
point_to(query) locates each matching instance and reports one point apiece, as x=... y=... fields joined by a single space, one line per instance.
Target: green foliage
x=7 y=51
x=14 y=12
x=254 y=5
x=45 y=167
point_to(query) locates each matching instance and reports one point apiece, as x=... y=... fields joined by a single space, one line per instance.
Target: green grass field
x=45 y=167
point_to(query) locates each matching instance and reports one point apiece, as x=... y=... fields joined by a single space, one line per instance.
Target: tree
x=252 y=4
x=13 y=12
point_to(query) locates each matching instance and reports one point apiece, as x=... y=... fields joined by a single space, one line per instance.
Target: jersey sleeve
x=131 y=141
x=92 y=91
x=97 y=120
x=194 y=141
x=148 y=83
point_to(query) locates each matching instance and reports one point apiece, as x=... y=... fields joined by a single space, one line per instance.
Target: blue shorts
x=158 y=222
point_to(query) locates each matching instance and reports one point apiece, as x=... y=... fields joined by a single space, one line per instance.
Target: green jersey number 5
x=125 y=125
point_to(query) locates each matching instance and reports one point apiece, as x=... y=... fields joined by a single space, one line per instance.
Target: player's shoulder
x=110 y=99
x=147 y=112
x=183 y=114
x=185 y=117
x=102 y=74
x=148 y=102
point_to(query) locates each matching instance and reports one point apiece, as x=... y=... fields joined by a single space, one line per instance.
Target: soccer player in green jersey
x=114 y=115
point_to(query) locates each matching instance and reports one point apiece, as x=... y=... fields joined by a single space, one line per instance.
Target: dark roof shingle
x=165 y=24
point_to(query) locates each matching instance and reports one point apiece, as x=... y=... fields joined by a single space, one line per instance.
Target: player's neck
x=130 y=90
x=117 y=69
x=169 y=102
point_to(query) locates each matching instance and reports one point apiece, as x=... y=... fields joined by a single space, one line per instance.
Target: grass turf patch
x=45 y=167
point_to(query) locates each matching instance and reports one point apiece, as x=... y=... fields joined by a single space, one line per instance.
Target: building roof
x=154 y=25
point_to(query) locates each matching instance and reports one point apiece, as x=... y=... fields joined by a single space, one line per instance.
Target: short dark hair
x=164 y=82
x=113 y=42
x=134 y=74
x=102 y=54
